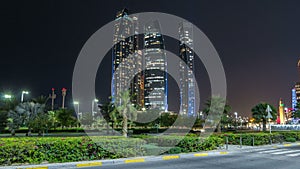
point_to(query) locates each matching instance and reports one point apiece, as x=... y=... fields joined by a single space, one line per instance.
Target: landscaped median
x=44 y=150
x=101 y=163
x=37 y=150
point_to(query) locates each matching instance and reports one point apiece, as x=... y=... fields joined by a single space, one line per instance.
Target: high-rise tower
x=124 y=68
x=186 y=69
x=156 y=82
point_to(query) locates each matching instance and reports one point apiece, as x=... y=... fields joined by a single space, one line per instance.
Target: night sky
x=258 y=42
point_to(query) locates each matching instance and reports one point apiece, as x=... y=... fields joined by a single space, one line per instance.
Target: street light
x=93 y=106
x=235 y=124
x=7 y=96
x=77 y=103
x=22 y=96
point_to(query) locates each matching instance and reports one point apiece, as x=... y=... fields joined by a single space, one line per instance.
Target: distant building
x=296 y=94
x=186 y=69
x=125 y=45
x=156 y=82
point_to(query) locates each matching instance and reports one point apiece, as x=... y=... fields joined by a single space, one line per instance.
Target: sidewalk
x=232 y=149
x=235 y=148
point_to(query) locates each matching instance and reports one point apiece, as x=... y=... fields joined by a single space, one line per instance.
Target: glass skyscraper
x=155 y=87
x=186 y=68
x=125 y=45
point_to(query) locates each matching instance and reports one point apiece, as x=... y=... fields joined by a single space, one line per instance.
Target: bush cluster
x=35 y=150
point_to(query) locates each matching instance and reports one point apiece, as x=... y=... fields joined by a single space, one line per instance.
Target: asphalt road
x=272 y=158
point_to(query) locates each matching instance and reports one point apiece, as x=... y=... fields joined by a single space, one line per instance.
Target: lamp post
x=235 y=113
x=22 y=95
x=93 y=106
x=77 y=103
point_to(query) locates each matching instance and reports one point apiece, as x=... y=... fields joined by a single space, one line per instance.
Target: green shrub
x=175 y=150
x=290 y=139
x=36 y=150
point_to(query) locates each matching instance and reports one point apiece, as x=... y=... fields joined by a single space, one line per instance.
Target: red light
x=53 y=89
x=64 y=89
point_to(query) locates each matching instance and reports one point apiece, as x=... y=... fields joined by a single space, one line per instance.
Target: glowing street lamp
x=93 y=105
x=22 y=95
x=77 y=103
x=7 y=96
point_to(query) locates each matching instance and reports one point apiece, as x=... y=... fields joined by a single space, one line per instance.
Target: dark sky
x=258 y=42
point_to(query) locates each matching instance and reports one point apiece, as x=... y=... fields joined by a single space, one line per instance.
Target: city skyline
x=257 y=42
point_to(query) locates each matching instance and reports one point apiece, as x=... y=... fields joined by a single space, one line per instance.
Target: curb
x=99 y=163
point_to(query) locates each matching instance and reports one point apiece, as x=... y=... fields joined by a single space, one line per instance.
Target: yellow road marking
x=38 y=167
x=89 y=164
x=170 y=157
x=287 y=145
x=201 y=154
x=137 y=160
x=223 y=153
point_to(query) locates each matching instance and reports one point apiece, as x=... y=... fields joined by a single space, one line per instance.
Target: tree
x=65 y=117
x=87 y=119
x=126 y=109
x=110 y=114
x=41 y=99
x=33 y=116
x=216 y=108
x=5 y=107
x=259 y=113
x=148 y=118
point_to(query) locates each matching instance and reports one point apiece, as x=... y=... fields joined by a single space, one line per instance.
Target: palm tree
x=41 y=99
x=259 y=113
x=110 y=114
x=5 y=107
x=127 y=110
x=33 y=115
x=65 y=117
x=216 y=107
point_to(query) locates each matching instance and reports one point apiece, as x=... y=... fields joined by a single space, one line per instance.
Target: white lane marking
x=271 y=151
x=293 y=155
x=286 y=152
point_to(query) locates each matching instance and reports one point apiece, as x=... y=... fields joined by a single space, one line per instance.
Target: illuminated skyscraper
x=124 y=68
x=187 y=82
x=156 y=82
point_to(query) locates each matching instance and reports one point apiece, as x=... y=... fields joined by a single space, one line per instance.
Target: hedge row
x=35 y=150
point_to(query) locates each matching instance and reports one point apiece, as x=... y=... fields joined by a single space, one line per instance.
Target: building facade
x=186 y=69
x=126 y=71
x=155 y=76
